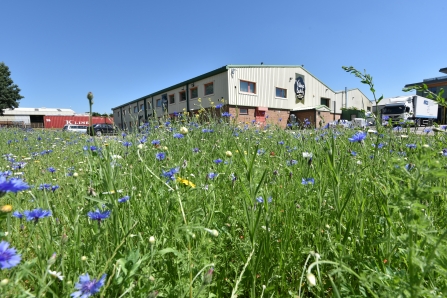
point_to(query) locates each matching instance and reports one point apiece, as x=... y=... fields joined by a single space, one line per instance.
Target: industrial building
x=52 y=118
x=263 y=93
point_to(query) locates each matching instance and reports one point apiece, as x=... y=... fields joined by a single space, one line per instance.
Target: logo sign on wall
x=164 y=102
x=300 y=88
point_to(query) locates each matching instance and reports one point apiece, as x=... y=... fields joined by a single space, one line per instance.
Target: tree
x=9 y=92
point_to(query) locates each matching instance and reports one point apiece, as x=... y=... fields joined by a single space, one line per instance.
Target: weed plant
x=184 y=208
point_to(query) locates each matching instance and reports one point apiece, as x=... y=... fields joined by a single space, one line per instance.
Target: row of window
x=245 y=86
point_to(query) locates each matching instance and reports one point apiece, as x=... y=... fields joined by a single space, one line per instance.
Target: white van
x=75 y=128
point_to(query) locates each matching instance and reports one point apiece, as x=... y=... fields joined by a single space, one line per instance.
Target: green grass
x=372 y=225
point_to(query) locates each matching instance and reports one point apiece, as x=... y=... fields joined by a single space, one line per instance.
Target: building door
x=260 y=114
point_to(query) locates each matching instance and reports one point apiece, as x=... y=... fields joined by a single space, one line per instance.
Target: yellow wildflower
x=6 y=208
x=186 y=182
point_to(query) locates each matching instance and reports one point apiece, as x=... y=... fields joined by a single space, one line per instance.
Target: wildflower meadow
x=192 y=207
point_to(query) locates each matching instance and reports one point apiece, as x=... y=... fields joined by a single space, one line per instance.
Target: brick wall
x=273 y=116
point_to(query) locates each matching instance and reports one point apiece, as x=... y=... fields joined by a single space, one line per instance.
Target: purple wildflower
x=88 y=287
x=8 y=256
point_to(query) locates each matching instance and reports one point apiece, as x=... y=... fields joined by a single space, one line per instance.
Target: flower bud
x=208 y=276
x=152 y=240
x=90 y=97
x=228 y=154
x=311 y=279
x=4 y=282
x=183 y=130
x=83 y=258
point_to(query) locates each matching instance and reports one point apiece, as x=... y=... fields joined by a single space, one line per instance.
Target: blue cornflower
x=36 y=214
x=397 y=128
x=170 y=174
x=291 y=162
x=11 y=185
x=219 y=106
x=380 y=146
x=54 y=187
x=195 y=150
x=143 y=140
x=124 y=134
x=444 y=127
x=88 y=287
x=281 y=143
x=167 y=123
x=127 y=144
x=124 y=199
x=226 y=114
x=411 y=146
x=260 y=151
x=358 y=137
x=160 y=155
x=427 y=130
x=218 y=161
x=385 y=118
x=409 y=166
x=353 y=153
x=51 y=170
x=45 y=186
x=178 y=135
x=260 y=200
x=17 y=214
x=98 y=215
x=205 y=130
x=155 y=142
x=93 y=148
x=305 y=181
x=211 y=175
x=8 y=256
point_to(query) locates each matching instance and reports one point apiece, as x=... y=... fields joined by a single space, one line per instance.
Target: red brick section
x=273 y=116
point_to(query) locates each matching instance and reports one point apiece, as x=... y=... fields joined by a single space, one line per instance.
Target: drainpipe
x=187 y=97
x=346 y=97
x=145 y=110
x=121 y=116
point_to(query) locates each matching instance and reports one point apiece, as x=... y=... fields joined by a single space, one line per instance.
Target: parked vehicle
x=412 y=110
x=101 y=129
x=75 y=128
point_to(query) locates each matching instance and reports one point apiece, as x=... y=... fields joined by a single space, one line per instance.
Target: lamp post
x=90 y=102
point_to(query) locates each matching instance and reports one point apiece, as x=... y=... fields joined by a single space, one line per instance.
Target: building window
x=118 y=113
x=142 y=107
x=282 y=93
x=194 y=92
x=149 y=105
x=209 y=88
x=248 y=87
x=159 y=103
x=243 y=111
x=368 y=109
x=171 y=99
x=129 y=110
x=135 y=109
x=124 y=112
x=182 y=95
x=325 y=101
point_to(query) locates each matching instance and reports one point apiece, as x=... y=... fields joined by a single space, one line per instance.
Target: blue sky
x=58 y=51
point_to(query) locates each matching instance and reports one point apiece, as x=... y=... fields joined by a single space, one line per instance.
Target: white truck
x=414 y=110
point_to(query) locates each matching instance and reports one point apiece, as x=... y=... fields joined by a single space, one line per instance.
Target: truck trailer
x=413 y=110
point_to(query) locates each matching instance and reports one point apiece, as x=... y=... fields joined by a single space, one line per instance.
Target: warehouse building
x=52 y=118
x=263 y=93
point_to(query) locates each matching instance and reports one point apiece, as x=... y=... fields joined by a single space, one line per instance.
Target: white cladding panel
x=268 y=79
x=12 y=118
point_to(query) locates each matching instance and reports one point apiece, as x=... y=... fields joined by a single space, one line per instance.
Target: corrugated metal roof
x=39 y=111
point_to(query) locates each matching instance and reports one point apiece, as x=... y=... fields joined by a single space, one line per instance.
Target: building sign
x=164 y=102
x=300 y=87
